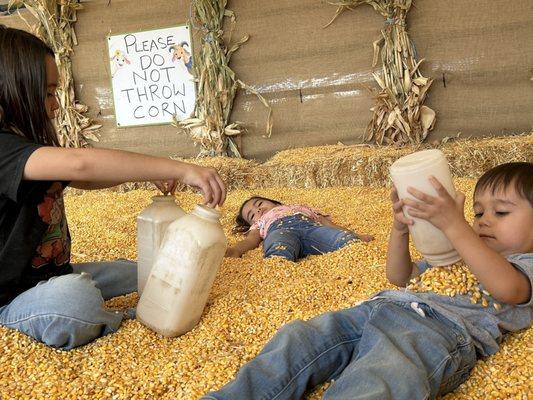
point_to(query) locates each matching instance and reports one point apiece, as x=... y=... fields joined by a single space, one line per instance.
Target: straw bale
x=471 y=158
x=251 y=298
x=365 y=165
x=355 y=165
x=335 y=165
x=235 y=172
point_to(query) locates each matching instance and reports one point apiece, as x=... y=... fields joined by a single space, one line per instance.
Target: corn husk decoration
x=399 y=116
x=56 y=28
x=217 y=84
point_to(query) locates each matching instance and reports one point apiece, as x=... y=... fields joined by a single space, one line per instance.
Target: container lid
x=416 y=160
x=206 y=212
x=164 y=198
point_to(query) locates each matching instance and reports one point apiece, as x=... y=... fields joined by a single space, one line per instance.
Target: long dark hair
x=23 y=86
x=241 y=225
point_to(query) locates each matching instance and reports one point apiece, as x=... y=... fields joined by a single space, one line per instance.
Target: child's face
x=504 y=221
x=255 y=208
x=52 y=78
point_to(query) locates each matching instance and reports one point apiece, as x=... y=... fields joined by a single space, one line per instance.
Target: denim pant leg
x=404 y=355
x=63 y=312
x=282 y=242
x=320 y=239
x=301 y=355
x=113 y=278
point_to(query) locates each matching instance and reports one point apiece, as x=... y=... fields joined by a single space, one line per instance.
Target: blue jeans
x=66 y=311
x=378 y=350
x=297 y=236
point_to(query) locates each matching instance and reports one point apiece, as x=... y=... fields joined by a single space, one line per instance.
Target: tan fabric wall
x=480 y=54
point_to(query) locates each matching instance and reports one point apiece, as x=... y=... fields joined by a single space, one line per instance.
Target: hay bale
x=471 y=158
x=366 y=165
x=325 y=166
x=356 y=165
x=235 y=172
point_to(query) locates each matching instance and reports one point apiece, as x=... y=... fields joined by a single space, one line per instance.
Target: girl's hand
x=366 y=238
x=442 y=210
x=207 y=181
x=232 y=252
x=167 y=186
x=400 y=222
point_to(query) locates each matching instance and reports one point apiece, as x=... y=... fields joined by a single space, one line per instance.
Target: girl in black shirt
x=41 y=293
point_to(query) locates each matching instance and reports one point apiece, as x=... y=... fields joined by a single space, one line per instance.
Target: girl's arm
x=322 y=219
x=400 y=269
x=252 y=241
x=327 y=222
x=93 y=185
x=166 y=187
x=503 y=281
x=97 y=168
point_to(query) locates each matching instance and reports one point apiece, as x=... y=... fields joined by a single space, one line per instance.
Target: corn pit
x=451 y=280
x=251 y=298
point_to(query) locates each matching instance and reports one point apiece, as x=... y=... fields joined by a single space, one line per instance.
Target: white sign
x=151 y=75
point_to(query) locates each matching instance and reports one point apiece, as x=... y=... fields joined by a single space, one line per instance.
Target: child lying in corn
x=410 y=345
x=291 y=231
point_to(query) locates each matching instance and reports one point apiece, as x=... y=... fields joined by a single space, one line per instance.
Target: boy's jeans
x=378 y=350
x=297 y=236
x=66 y=311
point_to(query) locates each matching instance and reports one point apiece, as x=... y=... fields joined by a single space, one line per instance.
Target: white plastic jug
x=183 y=273
x=414 y=170
x=152 y=223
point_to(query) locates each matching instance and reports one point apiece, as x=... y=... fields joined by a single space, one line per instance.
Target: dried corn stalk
x=217 y=84
x=56 y=28
x=399 y=114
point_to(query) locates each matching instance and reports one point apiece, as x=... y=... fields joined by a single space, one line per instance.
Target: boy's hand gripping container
x=414 y=170
x=183 y=273
x=152 y=223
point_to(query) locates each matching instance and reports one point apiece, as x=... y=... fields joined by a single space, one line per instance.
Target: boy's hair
x=23 y=86
x=241 y=225
x=516 y=174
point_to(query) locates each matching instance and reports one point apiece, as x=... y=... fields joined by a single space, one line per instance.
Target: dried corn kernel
x=251 y=298
x=450 y=280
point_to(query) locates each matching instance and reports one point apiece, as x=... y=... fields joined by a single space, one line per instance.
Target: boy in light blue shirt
x=407 y=345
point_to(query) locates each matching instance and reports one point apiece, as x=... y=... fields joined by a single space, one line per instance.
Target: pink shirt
x=283 y=211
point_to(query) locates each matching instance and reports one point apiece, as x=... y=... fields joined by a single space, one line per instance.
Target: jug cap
x=206 y=212
x=161 y=197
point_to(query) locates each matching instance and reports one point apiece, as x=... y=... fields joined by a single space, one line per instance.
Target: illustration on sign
x=151 y=76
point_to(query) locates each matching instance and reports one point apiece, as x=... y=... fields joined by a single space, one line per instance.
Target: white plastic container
x=414 y=170
x=152 y=223
x=183 y=273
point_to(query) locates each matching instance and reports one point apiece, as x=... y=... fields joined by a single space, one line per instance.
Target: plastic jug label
x=176 y=259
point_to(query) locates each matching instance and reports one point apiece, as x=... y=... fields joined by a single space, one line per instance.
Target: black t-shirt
x=34 y=237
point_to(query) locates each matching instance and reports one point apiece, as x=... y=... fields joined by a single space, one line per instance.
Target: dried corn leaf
x=402 y=86
x=217 y=83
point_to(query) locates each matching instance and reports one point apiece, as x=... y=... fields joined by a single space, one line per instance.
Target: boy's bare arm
x=503 y=281
x=252 y=241
x=400 y=268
